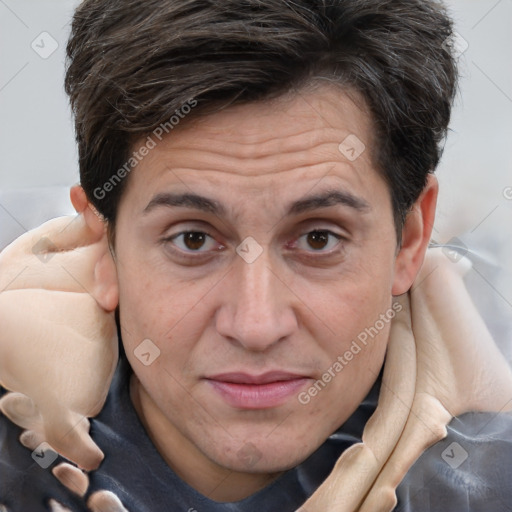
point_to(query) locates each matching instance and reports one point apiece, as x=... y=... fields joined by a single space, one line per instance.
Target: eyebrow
x=327 y=199
x=314 y=202
x=188 y=200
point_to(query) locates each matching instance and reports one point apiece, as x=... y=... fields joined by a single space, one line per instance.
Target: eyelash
x=197 y=255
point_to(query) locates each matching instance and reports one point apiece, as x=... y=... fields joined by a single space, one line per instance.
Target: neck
x=213 y=481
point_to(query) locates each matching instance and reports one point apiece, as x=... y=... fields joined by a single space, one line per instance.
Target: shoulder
x=469 y=470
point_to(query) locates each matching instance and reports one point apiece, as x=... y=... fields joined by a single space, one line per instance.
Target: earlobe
x=415 y=237
x=106 y=290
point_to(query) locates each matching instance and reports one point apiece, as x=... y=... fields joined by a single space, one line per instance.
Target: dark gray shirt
x=470 y=470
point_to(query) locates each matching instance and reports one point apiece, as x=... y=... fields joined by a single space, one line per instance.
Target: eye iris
x=318 y=239
x=194 y=240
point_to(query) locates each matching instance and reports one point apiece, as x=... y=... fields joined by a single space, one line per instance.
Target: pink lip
x=264 y=391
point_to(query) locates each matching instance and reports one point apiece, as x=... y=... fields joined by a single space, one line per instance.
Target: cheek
x=352 y=360
x=156 y=320
x=353 y=319
x=158 y=306
x=352 y=302
x=151 y=299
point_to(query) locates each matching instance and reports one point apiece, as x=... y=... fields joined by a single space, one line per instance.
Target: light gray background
x=37 y=143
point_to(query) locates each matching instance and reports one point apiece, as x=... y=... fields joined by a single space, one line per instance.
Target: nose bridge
x=260 y=313
x=257 y=290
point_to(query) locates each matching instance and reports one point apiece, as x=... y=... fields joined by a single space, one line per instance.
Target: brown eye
x=321 y=241
x=194 y=240
x=318 y=239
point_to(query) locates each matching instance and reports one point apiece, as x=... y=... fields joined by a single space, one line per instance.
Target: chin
x=264 y=465
x=262 y=456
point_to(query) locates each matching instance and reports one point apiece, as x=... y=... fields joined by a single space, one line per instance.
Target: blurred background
x=38 y=158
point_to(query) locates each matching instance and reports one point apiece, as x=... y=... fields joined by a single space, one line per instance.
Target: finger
x=105 y=501
x=72 y=478
x=71 y=439
x=31 y=439
x=61 y=233
x=55 y=506
x=65 y=233
x=21 y=410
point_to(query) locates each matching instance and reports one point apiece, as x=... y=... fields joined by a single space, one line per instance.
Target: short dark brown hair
x=134 y=64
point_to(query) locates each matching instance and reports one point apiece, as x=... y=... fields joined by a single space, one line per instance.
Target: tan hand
x=58 y=342
x=78 y=482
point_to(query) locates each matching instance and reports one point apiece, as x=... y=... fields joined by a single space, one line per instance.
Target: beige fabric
x=58 y=351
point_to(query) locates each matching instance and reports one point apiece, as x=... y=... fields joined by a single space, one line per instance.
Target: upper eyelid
x=189 y=253
x=176 y=235
x=340 y=238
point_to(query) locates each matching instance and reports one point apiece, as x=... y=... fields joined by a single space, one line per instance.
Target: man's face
x=253 y=251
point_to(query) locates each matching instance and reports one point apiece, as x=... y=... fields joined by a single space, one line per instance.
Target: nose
x=257 y=312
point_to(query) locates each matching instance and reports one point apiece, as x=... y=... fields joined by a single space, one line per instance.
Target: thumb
x=68 y=434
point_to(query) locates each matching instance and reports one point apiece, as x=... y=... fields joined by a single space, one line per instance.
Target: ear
x=105 y=288
x=415 y=237
x=95 y=222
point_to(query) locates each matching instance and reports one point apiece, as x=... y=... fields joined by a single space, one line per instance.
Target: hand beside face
x=58 y=345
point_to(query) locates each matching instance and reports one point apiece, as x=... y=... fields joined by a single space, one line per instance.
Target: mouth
x=245 y=391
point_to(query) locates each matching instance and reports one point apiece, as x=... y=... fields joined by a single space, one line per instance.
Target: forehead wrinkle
x=219 y=161
x=240 y=140
x=253 y=148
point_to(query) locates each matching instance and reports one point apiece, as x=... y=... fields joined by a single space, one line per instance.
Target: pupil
x=318 y=239
x=194 y=240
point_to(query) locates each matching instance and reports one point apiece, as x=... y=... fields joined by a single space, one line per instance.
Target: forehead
x=298 y=122
x=265 y=148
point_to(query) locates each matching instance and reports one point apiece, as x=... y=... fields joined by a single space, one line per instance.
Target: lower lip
x=258 y=396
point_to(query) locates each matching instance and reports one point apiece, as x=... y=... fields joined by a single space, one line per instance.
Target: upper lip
x=265 y=378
